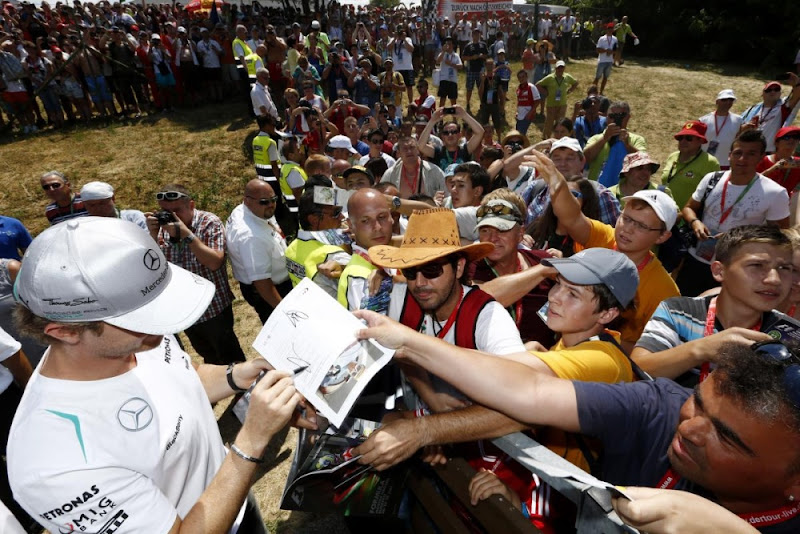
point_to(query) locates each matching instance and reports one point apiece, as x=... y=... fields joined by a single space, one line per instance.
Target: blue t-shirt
x=585 y=129
x=13 y=238
x=362 y=148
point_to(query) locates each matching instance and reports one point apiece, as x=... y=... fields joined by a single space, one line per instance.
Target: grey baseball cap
x=600 y=266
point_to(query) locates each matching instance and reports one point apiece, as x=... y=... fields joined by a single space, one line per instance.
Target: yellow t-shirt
x=590 y=361
x=655 y=284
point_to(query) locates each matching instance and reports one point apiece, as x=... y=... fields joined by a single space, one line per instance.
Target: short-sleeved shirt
x=475 y=49
x=57 y=214
x=679 y=320
x=8 y=347
x=208 y=228
x=596 y=166
x=788 y=178
x=13 y=237
x=556 y=90
x=655 y=284
x=447 y=72
x=608 y=44
x=719 y=144
x=256 y=247
x=444 y=158
x=682 y=178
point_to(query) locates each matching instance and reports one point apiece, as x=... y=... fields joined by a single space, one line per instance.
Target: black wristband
x=231 y=383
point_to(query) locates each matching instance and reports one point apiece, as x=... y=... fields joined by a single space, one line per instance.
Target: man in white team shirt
x=115 y=429
x=722 y=127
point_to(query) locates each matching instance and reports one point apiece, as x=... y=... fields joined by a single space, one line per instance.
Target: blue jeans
x=523 y=125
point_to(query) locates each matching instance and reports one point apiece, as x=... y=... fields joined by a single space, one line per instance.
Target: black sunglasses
x=429 y=271
x=54 y=185
x=450 y=132
x=170 y=195
x=686 y=138
x=790 y=137
x=265 y=201
x=778 y=352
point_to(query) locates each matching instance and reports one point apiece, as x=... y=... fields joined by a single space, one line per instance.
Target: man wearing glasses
x=645 y=222
x=684 y=168
x=451 y=152
x=773 y=112
x=257 y=248
x=64 y=203
x=598 y=147
x=195 y=240
x=376 y=138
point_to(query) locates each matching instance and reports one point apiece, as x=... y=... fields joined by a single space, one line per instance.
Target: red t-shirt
x=788 y=178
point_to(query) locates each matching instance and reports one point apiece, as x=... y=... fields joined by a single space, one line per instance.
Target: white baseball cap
x=560 y=63
x=315 y=25
x=342 y=141
x=662 y=204
x=105 y=269
x=96 y=191
x=725 y=94
x=567 y=142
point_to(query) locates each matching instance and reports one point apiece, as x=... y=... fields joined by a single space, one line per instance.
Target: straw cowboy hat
x=431 y=234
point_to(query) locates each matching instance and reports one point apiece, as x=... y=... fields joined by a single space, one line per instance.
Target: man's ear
x=606 y=316
x=718 y=271
x=460 y=266
x=663 y=237
x=62 y=332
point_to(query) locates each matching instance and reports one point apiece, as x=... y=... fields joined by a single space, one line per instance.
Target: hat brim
x=573 y=271
x=404 y=257
x=500 y=223
x=179 y=305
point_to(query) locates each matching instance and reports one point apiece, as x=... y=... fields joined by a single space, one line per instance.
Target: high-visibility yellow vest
x=261 y=145
x=286 y=168
x=357 y=268
x=247 y=50
x=252 y=61
x=303 y=256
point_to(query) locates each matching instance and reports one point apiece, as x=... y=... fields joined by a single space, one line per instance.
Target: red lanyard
x=717 y=127
x=757 y=519
x=724 y=213
x=642 y=264
x=711 y=318
x=452 y=318
x=412 y=185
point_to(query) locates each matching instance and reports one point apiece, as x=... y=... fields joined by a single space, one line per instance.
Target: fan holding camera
x=451 y=152
x=598 y=147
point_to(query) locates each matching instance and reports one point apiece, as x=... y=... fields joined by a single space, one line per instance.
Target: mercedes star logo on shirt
x=135 y=414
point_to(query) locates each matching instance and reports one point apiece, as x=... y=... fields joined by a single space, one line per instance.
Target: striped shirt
x=56 y=214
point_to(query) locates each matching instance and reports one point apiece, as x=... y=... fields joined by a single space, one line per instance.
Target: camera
x=617 y=118
x=164 y=217
x=516 y=146
x=587 y=103
x=449 y=111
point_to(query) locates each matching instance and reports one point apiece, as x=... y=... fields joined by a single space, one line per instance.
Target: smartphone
x=449 y=111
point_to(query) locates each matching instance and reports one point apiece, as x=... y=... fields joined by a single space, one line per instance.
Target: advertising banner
x=451 y=8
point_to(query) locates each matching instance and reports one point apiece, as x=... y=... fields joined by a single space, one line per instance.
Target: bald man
x=370 y=219
x=257 y=249
x=337 y=170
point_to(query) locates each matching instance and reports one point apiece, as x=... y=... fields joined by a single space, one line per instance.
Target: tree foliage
x=384 y=4
x=752 y=32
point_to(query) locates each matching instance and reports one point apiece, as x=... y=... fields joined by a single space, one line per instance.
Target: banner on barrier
x=449 y=8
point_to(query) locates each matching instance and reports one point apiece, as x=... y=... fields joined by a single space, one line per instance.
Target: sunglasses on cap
x=265 y=201
x=780 y=353
x=170 y=195
x=430 y=271
x=498 y=209
x=53 y=186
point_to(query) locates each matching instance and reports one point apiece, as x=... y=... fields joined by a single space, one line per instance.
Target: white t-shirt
x=464 y=30
x=207 y=53
x=8 y=347
x=608 y=44
x=133 y=451
x=495 y=333
x=401 y=55
x=719 y=144
x=448 y=73
x=256 y=248
x=386 y=157
x=765 y=201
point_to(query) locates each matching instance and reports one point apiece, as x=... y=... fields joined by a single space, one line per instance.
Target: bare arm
x=509 y=288
x=476 y=127
x=267 y=291
x=19 y=367
x=592 y=150
x=426 y=149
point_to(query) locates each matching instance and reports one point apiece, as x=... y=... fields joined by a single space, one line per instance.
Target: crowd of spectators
x=569 y=267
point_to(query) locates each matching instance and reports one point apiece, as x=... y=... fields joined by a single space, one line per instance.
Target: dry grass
x=203 y=148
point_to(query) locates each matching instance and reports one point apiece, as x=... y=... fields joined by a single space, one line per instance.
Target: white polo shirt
x=256 y=248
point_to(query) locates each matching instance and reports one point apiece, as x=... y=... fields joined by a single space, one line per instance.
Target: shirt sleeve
x=660 y=333
x=295 y=179
x=8 y=346
x=779 y=205
x=699 y=191
x=496 y=332
x=602 y=235
x=273 y=153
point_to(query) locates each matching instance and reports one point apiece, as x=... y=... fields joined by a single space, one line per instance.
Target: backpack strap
x=467 y=318
x=712 y=183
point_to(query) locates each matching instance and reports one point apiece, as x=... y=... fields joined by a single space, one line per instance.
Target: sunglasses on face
x=450 y=132
x=790 y=138
x=53 y=186
x=170 y=195
x=265 y=201
x=780 y=353
x=686 y=138
x=773 y=90
x=376 y=141
x=430 y=271
x=498 y=209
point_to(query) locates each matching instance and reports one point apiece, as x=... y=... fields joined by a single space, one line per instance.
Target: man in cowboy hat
x=434 y=300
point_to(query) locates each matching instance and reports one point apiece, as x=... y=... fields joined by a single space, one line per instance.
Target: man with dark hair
x=598 y=147
x=452 y=151
x=475 y=54
x=64 y=203
x=682 y=339
x=467 y=184
x=195 y=240
x=725 y=200
x=736 y=437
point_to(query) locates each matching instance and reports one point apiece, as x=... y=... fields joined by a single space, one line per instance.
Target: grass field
x=204 y=149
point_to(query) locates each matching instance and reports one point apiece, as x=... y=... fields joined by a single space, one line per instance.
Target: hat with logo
x=500 y=214
x=637 y=159
x=787 y=130
x=600 y=266
x=566 y=142
x=725 y=94
x=431 y=235
x=72 y=272
x=694 y=128
x=342 y=141
x=665 y=208
x=96 y=191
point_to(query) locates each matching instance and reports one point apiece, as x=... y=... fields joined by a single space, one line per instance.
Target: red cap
x=134 y=28
x=60 y=26
x=610 y=25
x=787 y=130
x=695 y=128
x=771 y=84
x=55 y=49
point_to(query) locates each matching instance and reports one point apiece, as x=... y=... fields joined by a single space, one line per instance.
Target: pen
x=299 y=370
